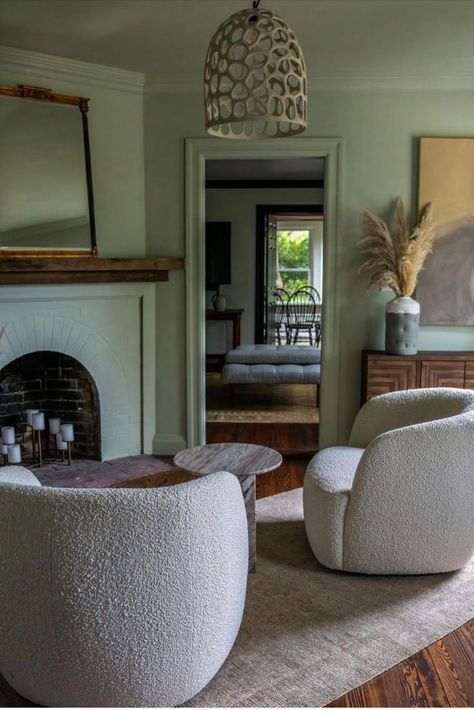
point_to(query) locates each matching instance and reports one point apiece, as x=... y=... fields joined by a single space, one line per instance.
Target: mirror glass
x=43 y=186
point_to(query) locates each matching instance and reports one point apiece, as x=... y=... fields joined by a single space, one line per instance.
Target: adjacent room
x=236 y=353
x=264 y=267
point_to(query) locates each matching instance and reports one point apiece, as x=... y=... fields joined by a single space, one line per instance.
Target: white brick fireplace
x=110 y=330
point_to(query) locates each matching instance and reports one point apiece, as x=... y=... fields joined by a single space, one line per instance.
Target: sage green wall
x=117 y=155
x=380 y=132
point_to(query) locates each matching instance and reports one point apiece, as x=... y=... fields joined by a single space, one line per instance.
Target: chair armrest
x=326 y=495
x=18 y=474
x=333 y=469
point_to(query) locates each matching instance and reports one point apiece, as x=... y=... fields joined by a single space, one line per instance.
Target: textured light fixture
x=255 y=78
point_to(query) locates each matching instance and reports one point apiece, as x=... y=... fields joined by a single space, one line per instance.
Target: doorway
x=197 y=152
x=275 y=401
x=289 y=258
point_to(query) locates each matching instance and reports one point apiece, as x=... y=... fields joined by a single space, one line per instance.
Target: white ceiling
x=169 y=38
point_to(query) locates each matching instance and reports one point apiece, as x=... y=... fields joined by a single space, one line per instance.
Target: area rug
x=310 y=635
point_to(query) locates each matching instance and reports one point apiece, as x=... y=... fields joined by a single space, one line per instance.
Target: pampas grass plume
x=397 y=257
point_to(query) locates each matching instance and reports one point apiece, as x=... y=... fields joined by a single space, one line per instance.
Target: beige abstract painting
x=446 y=284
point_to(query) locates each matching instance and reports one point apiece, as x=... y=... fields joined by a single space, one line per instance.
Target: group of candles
x=63 y=433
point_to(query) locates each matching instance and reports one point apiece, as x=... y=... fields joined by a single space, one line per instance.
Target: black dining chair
x=280 y=302
x=314 y=291
x=302 y=316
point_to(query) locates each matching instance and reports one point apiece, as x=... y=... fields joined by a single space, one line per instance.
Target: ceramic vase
x=219 y=302
x=402 y=323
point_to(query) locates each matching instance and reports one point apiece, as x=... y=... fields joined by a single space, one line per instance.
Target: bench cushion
x=235 y=373
x=274 y=355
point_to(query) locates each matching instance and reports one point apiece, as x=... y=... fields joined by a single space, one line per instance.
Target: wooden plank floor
x=441 y=675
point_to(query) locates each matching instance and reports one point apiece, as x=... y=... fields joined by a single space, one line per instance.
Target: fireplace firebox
x=58 y=385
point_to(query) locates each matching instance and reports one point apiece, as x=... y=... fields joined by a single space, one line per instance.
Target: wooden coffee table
x=243 y=460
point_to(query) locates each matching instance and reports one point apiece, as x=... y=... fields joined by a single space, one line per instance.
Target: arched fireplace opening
x=58 y=385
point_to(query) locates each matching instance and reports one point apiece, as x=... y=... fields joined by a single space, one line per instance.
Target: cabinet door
x=388 y=375
x=442 y=373
x=469 y=379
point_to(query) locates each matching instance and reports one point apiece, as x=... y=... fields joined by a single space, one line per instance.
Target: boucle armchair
x=400 y=498
x=119 y=597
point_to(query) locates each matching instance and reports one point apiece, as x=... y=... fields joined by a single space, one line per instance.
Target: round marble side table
x=243 y=460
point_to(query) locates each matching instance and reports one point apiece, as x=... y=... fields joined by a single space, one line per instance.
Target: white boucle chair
x=119 y=597
x=400 y=498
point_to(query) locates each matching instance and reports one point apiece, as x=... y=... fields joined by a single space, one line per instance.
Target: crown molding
x=79 y=72
x=394 y=82
x=379 y=83
x=71 y=70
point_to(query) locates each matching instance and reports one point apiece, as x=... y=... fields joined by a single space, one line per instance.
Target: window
x=293 y=259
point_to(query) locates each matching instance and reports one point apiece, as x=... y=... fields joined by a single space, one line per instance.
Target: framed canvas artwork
x=446 y=284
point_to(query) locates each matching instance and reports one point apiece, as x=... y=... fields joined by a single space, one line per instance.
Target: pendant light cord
x=255 y=4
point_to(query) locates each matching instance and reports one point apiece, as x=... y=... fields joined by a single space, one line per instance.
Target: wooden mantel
x=22 y=270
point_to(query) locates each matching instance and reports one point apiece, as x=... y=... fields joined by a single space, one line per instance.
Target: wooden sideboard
x=383 y=373
x=215 y=362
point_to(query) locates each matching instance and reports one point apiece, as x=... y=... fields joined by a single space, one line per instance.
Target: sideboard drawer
x=389 y=376
x=442 y=373
x=382 y=373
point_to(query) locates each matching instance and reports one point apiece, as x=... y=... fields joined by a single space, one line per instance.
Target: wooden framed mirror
x=46 y=196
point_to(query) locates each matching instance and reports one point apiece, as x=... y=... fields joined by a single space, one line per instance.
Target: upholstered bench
x=274 y=355
x=273 y=364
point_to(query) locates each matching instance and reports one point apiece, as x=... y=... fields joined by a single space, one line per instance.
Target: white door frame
x=198 y=150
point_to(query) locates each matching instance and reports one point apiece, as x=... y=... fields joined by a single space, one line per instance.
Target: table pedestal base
x=247 y=483
x=245 y=461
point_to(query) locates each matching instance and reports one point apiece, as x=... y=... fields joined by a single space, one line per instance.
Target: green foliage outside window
x=294 y=280
x=293 y=253
x=293 y=249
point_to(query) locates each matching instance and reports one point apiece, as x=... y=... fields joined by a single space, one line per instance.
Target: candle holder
x=8 y=435
x=14 y=453
x=54 y=429
x=10 y=450
x=8 y=440
x=29 y=422
x=61 y=447
x=67 y=436
x=37 y=422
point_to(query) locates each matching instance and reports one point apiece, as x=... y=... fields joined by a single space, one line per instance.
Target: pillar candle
x=4 y=449
x=8 y=435
x=37 y=421
x=67 y=432
x=29 y=415
x=60 y=444
x=14 y=453
x=54 y=425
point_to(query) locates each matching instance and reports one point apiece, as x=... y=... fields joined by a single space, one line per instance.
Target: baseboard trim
x=168 y=444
